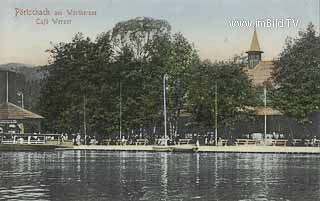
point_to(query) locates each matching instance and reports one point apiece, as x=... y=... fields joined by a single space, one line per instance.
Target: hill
x=30 y=72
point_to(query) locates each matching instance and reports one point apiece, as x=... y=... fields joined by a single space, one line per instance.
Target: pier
x=201 y=149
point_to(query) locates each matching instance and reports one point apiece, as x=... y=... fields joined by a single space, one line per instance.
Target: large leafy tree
x=141 y=47
x=235 y=94
x=297 y=76
x=78 y=69
x=183 y=57
x=152 y=51
x=125 y=65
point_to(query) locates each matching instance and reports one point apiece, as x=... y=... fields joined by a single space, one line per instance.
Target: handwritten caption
x=47 y=16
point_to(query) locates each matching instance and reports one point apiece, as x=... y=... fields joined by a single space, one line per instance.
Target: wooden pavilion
x=12 y=118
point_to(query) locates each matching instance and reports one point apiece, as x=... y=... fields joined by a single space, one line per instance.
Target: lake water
x=91 y=175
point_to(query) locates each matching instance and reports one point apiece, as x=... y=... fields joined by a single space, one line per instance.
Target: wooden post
x=7 y=88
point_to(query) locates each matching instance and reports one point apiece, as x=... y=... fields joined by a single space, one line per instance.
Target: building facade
x=260 y=72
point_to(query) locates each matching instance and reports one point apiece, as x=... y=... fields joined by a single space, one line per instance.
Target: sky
x=213 y=26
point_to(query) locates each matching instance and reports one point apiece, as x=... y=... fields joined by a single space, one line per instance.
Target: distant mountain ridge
x=30 y=72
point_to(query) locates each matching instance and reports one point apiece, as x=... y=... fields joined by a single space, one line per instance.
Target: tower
x=254 y=53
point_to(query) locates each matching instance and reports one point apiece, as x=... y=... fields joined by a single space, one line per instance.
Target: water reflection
x=89 y=175
x=164 y=175
x=198 y=169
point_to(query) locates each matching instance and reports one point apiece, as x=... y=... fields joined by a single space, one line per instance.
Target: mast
x=84 y=120
x=120 y=112
x=265 y=112
x=216 y=113
x=7 y=89
x=165 y=77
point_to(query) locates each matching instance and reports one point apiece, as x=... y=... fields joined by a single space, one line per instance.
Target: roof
x=9 y=111
x=261 y=110
x=268 y=111
x=254 y=47
x=261 y=73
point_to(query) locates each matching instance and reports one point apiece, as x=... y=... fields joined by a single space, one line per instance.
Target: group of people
x=131 y=140
x=89 y=140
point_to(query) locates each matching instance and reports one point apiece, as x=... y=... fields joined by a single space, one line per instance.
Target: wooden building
x=13 y=118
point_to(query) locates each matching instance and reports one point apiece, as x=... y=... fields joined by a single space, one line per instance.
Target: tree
x=146 y=50
x=131 y=58
x=126 y=65
x=138 y=44
x=234 y=94
x=182 y=57
x=297 y=76
x=78 y=68
x=137 y=35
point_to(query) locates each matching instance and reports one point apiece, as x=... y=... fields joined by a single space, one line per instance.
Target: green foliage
x=134 y=56
x=139 y=35
x=297 y=76
x=127 y=65
x=142 y=47
x=79 y=68
x=234 y=94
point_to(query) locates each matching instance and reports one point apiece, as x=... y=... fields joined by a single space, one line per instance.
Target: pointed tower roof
x=255 y=47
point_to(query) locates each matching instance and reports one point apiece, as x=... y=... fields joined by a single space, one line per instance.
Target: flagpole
x=216 y=113
x=165 y=78
x=84 y=120
x=265 y=113
x=120 y=113
x=7 y=85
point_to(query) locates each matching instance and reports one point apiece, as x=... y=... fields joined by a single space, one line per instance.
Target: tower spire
x=255 y=42
x=254 y=53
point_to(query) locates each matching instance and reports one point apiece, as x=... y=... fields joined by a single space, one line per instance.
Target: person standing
x=78 y=139
x=197 y=143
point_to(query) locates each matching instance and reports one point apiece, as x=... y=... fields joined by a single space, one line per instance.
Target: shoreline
x=31 y=147
x=201 y=149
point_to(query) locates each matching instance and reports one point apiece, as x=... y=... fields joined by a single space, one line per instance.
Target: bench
x=315 y=143
x=280 y=142
x=121 y=142
x=312 y=142
x=141 y=141
x=211 y=142
x=106 y=141
x=245 y=142
x=296 y=142
x=184 y=141
x=222 y=142
x=161 y=141
x=252 y=142
x=34 y=142
x=307 y=142
x=241 y=141
x=8 y=142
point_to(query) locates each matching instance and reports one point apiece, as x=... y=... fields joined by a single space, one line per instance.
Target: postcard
x=159 y=100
